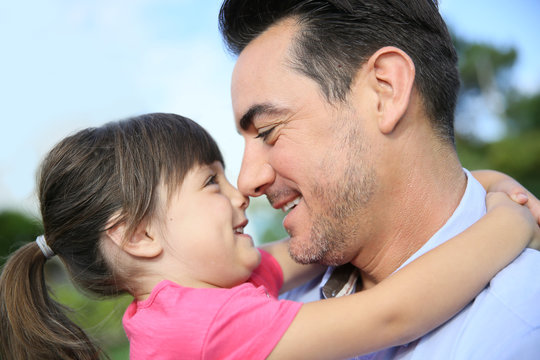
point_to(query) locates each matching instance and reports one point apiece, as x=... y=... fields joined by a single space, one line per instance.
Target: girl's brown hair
x=85 y=180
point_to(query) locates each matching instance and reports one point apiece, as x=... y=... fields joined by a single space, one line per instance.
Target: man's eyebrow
x=256 y=110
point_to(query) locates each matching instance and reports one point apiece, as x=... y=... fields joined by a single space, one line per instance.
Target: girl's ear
x=141 y=244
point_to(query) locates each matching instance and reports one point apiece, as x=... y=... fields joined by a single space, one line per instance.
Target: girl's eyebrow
x=216 y=167
x=258 y=110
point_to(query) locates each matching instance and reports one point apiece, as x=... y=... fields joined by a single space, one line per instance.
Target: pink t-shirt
x=245 y=322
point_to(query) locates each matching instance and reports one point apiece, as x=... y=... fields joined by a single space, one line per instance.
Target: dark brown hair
x=85 y=180
x=336 y=37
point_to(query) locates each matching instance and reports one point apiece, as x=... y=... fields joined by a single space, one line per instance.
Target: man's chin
x=308 y=252
x=303 y=251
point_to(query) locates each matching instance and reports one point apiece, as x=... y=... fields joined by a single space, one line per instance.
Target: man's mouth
x=291 y=204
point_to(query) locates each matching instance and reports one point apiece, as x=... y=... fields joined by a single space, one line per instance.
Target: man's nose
x=256 y=173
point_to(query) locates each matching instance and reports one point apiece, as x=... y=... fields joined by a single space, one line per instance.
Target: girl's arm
x=294 y=274
x=418 y=298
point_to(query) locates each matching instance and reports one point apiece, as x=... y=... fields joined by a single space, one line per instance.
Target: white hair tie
x=45 y=249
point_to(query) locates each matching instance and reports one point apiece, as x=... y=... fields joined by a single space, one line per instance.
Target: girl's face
x=203 y=230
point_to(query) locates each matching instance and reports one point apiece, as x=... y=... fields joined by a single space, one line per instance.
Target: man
x=346 y=109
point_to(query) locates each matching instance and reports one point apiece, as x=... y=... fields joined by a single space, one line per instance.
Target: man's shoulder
x=526 y=265
x=516 y=288
x=503 y=321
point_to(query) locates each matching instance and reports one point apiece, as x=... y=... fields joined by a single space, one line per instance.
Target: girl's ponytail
x=32 y=325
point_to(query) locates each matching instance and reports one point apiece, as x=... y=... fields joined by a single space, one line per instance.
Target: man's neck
x=420 y=198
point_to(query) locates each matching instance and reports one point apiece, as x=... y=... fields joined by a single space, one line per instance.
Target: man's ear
x=392 y=77
x=141 y=244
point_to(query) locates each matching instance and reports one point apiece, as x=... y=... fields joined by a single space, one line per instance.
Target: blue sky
x=70 y=64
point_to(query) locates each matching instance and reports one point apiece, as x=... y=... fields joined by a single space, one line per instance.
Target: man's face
x=309 y=157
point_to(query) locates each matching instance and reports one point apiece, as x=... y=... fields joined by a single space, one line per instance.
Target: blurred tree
x=15 y=229
x=268 y=221
x=484 y=71
x=482 y=66
x=523 y=113
x=101 y=318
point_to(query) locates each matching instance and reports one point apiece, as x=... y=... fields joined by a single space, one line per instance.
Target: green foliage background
x=484 y=70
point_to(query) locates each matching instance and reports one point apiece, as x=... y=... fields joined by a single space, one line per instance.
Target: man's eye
x=264 y=134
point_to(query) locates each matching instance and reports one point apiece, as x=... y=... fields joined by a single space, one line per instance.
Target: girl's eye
x=212 y=180
x=264 y=135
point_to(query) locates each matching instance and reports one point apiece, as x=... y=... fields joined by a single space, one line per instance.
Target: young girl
x=143 y=206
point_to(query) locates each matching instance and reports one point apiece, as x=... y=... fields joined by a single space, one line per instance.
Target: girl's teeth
x=239 y=230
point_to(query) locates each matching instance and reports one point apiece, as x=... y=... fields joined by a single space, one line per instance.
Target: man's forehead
x=272 y=45
x=260 y=64
x=279 y=35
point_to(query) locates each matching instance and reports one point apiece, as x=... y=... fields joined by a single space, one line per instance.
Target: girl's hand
x=494 y=181
x=520 y=195
x=524 y=217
